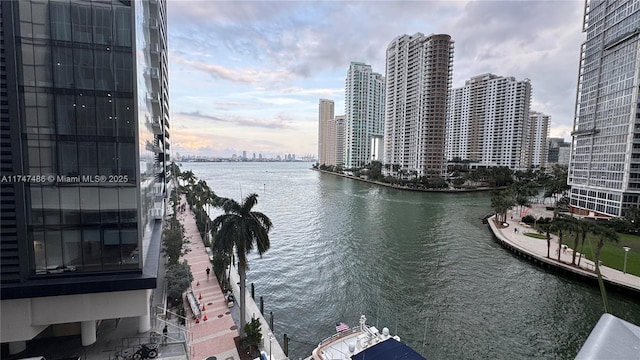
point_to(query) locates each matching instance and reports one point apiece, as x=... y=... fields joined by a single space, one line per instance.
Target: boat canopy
x=611 y=338
x=390 y=349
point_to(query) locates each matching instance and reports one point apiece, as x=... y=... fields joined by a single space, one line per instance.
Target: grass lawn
x=536 y=235
x=612 y=254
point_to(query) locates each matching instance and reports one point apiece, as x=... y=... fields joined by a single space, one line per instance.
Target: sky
x=248 y=75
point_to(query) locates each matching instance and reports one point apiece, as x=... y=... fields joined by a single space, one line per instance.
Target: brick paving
x=215 y=335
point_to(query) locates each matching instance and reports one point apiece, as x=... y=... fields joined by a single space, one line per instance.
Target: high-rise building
x=326 y=140
x=488 y=122
x=418 y=80
x=364 y=112
x=538 y=145
x=340 y=139
x=85 y=124
x=559 y=151
x=604 y=172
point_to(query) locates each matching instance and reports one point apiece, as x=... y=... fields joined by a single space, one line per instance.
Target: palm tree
x=244 y=229
x=174 y=169
x=188 y=177
x=501 y=202
x=581 y=228
x=546 y=227
x=560 y=224
x=603 y=234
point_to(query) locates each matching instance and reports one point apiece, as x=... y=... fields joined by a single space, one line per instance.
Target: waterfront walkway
x=513 y=237
x=216 y=335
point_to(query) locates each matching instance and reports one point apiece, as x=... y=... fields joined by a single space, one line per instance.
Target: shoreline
x=535 y=250
x=397 y=187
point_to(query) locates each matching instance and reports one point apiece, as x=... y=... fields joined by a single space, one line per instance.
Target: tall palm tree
x=244 y=229
x=501 y=202
x=603 y=234
x=188 y=177
x=561 y=225
x=546 y=227
x=581 y=228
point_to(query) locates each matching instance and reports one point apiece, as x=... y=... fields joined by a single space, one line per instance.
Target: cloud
x=281 y=121
x=264 y=59
x=245 y=75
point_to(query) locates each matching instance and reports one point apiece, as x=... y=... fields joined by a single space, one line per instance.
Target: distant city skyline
x=248 y=75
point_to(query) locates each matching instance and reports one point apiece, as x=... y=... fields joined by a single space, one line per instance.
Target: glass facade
x=605 y=163
x=152 y=74
x=92 y=136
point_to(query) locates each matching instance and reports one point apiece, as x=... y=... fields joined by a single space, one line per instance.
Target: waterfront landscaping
x=236 y=232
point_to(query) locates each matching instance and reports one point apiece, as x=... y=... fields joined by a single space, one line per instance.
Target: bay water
x=421 y=264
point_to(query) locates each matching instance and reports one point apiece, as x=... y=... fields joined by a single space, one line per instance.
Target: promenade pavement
x=514 y=234
x=269 y=344
x=216 y=335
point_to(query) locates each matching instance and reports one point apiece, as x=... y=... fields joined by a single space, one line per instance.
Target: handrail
x=339 y=335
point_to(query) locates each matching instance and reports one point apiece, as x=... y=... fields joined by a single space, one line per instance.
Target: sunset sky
x=247 y=75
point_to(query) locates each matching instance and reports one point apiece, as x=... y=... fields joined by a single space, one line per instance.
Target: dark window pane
x=81 y=22
x=109 y=210
x=91 y=250
x=47 y=157
x=63 y=67
x=90 y=205
x=124 y=113
x=66 y=114
x=87 y=158
x=83 y=65
x=105 y=116
x=128 y=204
x=40 y=18
x=42 y=64
x=28 y=71
x=124 y=70
x=37 y=217
x=46 y=122
x=111 y=254
x=127 y=160
x=60 y=21
x=130 y=253
x=102 y=25
x=123 y=64
x=51 y=205
x=70 y=204
x=86 y=115
x=71 y=249
x=104 y=72
x=40 y=257
x=123 y=26
x=68 y=158
x=107 y=159
x=30 y=110
x=53 y=250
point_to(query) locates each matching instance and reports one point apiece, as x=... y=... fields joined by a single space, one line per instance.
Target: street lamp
x=626 y=251
x=270 y=339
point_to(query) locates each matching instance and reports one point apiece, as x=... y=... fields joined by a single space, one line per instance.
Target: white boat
x=363 y=342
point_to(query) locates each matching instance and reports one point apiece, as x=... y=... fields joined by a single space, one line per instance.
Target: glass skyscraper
x=604 y=171
x=84 y=146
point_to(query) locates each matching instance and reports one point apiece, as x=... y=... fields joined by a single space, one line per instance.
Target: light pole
x=270 y=339
x=626 y=251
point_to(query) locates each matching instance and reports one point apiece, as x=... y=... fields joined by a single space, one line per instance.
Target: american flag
x=340 y=326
